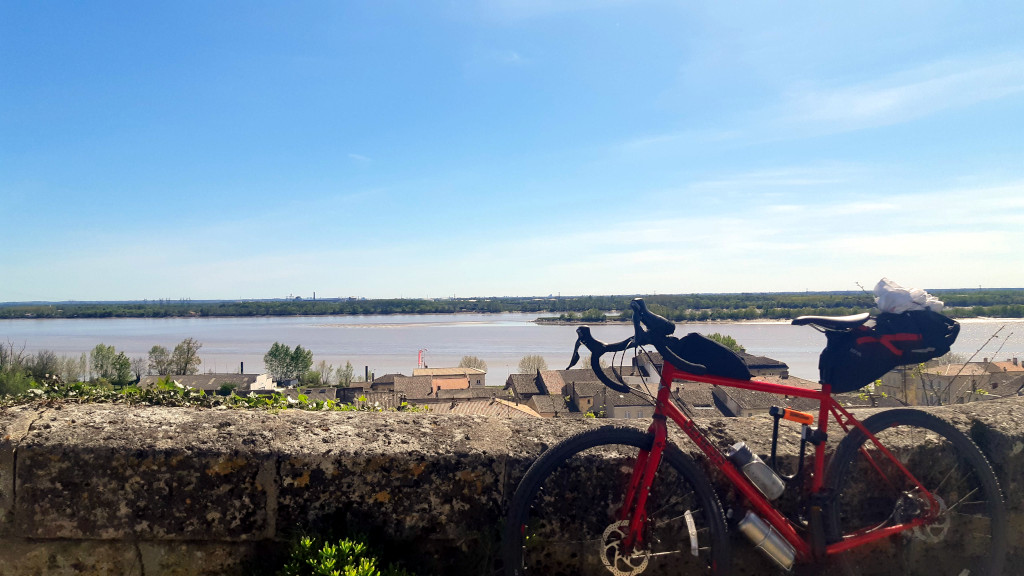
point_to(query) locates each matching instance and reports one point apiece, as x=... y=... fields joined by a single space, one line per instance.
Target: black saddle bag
x=854 y=359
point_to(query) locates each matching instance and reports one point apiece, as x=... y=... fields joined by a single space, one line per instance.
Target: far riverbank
x=391 y=343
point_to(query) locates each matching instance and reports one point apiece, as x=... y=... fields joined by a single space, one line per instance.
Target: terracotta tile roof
x=1007 y=366
x=551 y=381
x=484 y=407
x=448 y=383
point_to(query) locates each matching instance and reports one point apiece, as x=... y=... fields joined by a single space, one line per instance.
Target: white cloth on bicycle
x=891 y=297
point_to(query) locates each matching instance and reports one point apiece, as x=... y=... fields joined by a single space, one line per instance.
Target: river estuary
x=390 y=344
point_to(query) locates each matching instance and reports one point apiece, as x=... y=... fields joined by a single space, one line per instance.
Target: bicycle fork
x=634 y=505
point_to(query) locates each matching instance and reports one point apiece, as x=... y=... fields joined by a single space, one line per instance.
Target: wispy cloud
x=359 y=158
x=783 y=177
x=641 y=143
x=905 y=96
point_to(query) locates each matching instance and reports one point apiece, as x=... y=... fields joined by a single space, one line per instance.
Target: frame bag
x=854 y=359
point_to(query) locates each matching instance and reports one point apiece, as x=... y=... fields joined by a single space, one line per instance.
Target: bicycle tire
x=558 y=525
x=969 y=537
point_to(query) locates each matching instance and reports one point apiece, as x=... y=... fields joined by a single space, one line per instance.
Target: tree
x=531 y=363
x=325 y=371
x=46 y=363
x=101 y=361
x=278 y=361
x=345 y=375
x=14 y=378
x=122 y=371
x=138 y=367
x=73 y=369
x=727 y=341
x=185 y=358
x=159 y=361
x=473 y=362
x=283 y=363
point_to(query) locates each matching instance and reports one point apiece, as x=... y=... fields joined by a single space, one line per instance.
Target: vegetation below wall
x=168 y=393
x=1003 y=303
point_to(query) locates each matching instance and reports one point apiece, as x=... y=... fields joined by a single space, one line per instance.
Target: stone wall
x=108 y=489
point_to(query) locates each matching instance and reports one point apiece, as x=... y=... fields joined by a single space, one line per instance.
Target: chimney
x=1015 y=361
x=241 y=367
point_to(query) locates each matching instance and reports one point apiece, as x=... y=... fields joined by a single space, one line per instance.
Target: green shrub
x=346 y=558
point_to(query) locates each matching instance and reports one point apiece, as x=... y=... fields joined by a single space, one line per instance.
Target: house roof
x=858 y=400
x=605 y=396
x=791 y=381
x=969 y=369
x=523 y=384
x=1007 y=366
x=548 y=404
x=587 y=389
x=750 y=399
x=578 y=376
x=552 y=381
x=447 y=371
x=449 y=383
x=614 y=398
x=752 y=361
x=477 y=392
x=761 y=362
x=414 y=387
x=694 y=393
x=484 y=407
x=386 y=379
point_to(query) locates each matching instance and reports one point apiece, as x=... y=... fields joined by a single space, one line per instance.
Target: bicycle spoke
x=968 y=533
x=560 y=504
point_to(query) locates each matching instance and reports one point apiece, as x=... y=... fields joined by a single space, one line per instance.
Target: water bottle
x=768 y=540
x=766 y=480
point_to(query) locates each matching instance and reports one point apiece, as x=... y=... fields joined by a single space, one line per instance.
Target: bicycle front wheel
x=564 y=518
x=968 y=535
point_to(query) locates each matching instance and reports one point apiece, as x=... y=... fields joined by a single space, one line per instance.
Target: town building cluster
x=579 y=393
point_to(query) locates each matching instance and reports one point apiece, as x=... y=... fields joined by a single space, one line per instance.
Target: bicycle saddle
x=833 y=322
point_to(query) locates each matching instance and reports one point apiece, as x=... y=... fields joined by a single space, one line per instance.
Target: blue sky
x=507 y=147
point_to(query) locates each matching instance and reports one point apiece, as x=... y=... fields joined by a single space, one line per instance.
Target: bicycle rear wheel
x=967 y=538
x=563 y=517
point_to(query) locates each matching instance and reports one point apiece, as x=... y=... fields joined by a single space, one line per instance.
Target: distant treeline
x=1006 y=303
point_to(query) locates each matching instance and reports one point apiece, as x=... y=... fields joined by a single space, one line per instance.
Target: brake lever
x=575 y=353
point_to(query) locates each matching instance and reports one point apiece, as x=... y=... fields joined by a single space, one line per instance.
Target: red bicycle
x=904 y=491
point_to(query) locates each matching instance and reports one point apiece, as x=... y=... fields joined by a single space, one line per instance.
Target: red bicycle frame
x=634 y=507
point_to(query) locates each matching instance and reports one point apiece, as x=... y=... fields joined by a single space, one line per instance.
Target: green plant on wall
x=346 y=558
